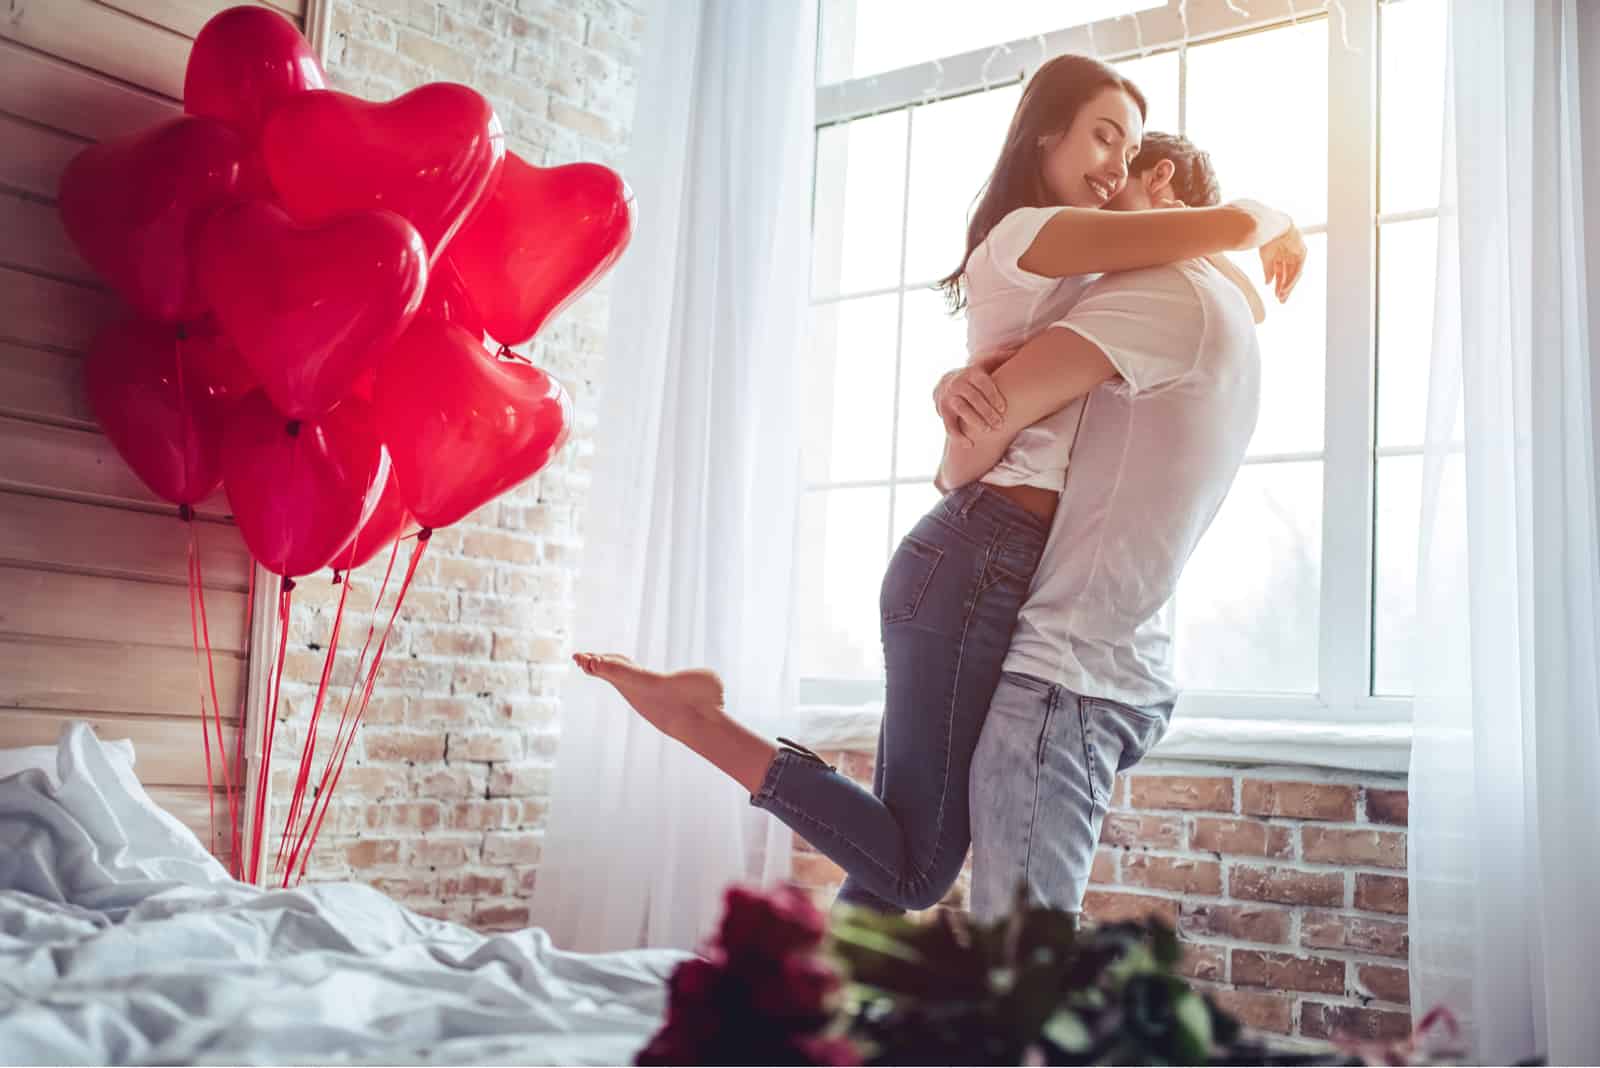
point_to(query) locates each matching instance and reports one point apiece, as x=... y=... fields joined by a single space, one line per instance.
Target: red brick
x=1347 y=1021
x=1132 y=831
x=1334 y=845
x=1179 y=874
x=1105 y=906
x=1247 y=923
x=403 y=745
x=814 y=869
x=404 y=887
x=1298 y=800
x=447 y=783
x=1257 y=1011
x=374 y=784
x=440 y=853
x=506 y=917
x=472 y=884
x=1388 y=806
x=1248 y=838
x=371 y=852
x=1385 y=983
x=520 y=780
x=482 y=815
x=511 y=847
x=1286 y=886
x=1360 y=934
x=1203 y=962
x=1105 y=867
x=420 y=815
x=486 y=745
x=1181 y=791
x=1283 y=971
x=1382 y=893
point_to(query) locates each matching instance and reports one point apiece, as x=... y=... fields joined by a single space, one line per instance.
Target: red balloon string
x=507 y=353
x=269 y=728
x=309 y=748
x=236 y=831
x=366 y=690
x=205 y=714
x=339 y=741
x=211 y=673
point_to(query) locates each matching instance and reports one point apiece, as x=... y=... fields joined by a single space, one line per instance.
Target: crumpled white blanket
x=122 y=941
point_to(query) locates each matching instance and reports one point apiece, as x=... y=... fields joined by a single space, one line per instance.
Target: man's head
x=1168 y=167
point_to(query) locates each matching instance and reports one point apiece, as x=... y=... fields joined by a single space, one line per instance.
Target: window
x=1299 y=603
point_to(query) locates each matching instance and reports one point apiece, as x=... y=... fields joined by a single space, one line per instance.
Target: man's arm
x=1047 y=374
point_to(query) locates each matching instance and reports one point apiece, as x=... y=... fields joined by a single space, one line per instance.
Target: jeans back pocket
x=910 y=570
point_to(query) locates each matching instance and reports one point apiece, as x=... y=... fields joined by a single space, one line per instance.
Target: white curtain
x=1505 y=766
x=690 y=526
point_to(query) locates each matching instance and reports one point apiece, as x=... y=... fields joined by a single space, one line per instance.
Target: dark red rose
x=770 y=925
x=798 y=987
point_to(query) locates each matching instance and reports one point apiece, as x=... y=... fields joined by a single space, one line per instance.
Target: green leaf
x=1194 y=1027
x=1066 y=1029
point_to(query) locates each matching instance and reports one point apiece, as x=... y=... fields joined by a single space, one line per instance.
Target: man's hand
x=968 y=398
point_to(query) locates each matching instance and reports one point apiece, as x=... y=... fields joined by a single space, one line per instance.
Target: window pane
x=1407 y=271
x=862 y=37
x=1411 y=119
x=1259 y=105
x=1248 y=603
x=1157 y=78
x=850 y=389
x=1294 y=348
x=857 y=212
x=842 y=553
x=1399 y=517
x=912 y=501
x=935 y=342
x=954 y=145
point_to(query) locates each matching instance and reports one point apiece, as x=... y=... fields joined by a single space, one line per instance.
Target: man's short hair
x=1194 y=180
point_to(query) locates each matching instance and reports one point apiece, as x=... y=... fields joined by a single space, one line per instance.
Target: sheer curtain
x=1505 y=765
x=690 y=527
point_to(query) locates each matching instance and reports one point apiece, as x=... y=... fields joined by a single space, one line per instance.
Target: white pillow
x=45 y=757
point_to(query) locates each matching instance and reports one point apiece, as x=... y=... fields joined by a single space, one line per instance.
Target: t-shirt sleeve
x=1011 y=237
x=1149 y=323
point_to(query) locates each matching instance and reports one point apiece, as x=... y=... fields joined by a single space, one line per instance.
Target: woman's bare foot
x=674 y=704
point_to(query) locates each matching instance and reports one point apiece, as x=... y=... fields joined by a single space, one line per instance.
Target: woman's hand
x=1282 y=260
x=968 y=397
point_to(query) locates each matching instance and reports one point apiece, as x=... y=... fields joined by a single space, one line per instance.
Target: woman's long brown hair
x=1054 y=96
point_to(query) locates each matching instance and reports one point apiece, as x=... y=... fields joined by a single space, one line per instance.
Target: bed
x=122 y=940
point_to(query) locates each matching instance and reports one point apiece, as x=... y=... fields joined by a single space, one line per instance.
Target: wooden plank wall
x=94 y=612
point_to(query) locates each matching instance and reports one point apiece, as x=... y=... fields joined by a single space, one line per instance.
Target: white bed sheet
x=123 y=941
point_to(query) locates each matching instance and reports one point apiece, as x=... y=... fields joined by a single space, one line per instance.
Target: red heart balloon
x=429 y=156
x=462 y=426
x=299 y=489
x=131 y=206
x=378 y=531
x=310 y=307
x=153 y=395
x=539 y=240
x=445 y=300
x=244 y=62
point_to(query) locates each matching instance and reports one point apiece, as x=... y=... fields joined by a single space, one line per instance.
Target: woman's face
x=1087 y=166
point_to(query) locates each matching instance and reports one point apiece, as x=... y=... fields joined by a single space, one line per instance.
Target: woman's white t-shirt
x=1006 y=306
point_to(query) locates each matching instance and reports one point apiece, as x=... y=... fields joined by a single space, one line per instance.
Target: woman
x=953 y=589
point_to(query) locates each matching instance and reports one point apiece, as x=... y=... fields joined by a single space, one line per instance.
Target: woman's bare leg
x=687 y=706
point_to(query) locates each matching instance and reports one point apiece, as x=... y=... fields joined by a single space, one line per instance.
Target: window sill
x=1377 y=747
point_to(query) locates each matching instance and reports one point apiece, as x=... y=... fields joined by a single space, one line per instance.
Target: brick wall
x=444 y=802
x=1287 y=887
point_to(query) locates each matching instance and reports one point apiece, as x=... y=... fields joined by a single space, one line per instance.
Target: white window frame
x=1342 y=725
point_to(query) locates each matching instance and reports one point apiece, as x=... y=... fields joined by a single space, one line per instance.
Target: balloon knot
x=288 y=584
x=293 y=428
x=424 y=534
x=338 y=576
x=185 y=513
x=183 y=332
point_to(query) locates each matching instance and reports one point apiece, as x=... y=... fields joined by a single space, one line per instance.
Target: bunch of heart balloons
x=312 y=278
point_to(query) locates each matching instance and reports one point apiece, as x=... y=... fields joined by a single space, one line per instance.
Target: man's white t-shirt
x=1153 y=457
